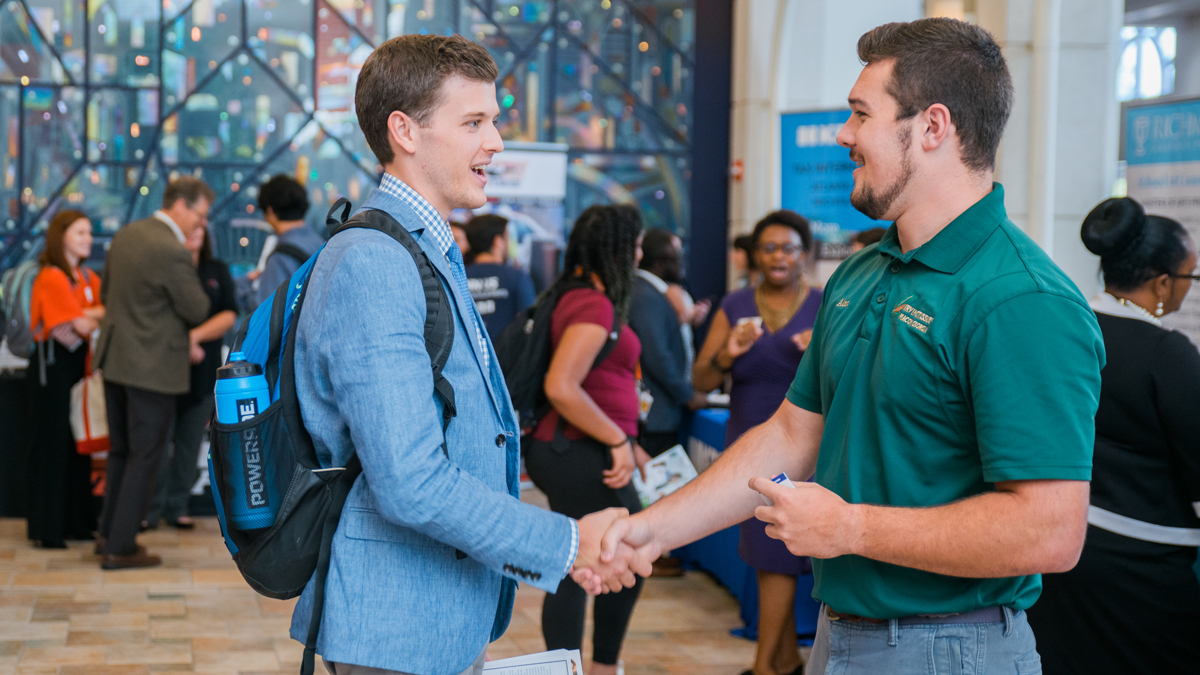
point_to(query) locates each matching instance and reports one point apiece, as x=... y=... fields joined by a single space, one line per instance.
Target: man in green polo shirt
x=950 y=388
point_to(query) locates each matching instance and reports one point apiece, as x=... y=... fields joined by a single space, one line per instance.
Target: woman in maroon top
x=583 y=452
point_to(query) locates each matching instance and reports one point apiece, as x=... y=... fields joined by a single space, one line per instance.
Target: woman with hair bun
x=1132 y=604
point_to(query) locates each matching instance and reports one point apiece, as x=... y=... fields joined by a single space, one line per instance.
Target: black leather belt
x=985 y=615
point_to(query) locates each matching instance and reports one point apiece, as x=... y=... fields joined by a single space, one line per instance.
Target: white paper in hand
x=781 y=479
x=664 y=474
x=557 y=662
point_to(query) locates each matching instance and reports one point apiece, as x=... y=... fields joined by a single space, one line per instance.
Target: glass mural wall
x=101 y=103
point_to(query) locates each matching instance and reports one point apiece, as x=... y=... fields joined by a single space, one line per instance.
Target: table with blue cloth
x=717 y=553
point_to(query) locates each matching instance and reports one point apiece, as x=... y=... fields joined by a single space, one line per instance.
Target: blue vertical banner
x=1162 y=169
x=818 y=177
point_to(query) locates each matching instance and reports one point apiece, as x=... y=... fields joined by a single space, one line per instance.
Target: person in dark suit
x=666 y=364
x=499 y=290
x=1132 y=604
x=153 y=297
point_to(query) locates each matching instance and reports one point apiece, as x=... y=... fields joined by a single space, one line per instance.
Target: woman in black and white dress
x=1132 y=604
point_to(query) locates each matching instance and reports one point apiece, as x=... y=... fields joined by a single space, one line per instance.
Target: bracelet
x=628 y=439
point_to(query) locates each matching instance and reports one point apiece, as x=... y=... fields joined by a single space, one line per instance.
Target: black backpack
x=279 y=560
x=523 y=350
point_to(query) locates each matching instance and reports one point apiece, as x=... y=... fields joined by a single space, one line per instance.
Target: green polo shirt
x=970 y=360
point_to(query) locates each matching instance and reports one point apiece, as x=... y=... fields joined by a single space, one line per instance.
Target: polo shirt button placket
x=881 y=297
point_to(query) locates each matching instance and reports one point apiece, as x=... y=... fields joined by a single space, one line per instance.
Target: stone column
x=1059 y=154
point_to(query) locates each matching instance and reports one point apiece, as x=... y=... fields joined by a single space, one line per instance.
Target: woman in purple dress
x=758 y=337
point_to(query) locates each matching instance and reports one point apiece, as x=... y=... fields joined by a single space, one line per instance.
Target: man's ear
x=402 y=131
x=937 y=128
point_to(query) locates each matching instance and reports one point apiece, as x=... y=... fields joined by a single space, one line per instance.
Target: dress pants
x=571 y=474
x=139 y=427
x=60 y=504
x=179 y=470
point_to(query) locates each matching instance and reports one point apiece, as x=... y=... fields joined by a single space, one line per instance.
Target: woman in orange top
x=64 y=310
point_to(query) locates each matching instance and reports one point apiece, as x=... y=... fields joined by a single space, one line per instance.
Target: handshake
x=613 y=548
x=808 y=518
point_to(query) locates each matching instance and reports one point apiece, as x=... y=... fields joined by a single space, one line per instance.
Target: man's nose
x=493 y=143
x=845 y=137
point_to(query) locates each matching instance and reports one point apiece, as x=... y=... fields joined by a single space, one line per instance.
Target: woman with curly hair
x=584 y=451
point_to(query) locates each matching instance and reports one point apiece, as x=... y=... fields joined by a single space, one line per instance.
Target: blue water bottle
x=242 y=394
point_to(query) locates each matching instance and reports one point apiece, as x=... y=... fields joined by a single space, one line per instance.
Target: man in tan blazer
x=153 y=296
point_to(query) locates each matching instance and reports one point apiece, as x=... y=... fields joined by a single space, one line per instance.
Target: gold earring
x=1158 y=310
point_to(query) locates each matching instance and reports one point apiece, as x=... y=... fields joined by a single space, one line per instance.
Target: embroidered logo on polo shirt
x=843 y=303
x=911 y=316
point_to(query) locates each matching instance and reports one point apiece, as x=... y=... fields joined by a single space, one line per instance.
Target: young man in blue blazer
x=399 y=598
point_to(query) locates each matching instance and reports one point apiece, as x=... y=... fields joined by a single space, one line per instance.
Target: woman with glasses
x=757 y=337
x=1132 y=604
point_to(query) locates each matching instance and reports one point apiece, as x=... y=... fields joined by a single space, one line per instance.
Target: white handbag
x=89 y=413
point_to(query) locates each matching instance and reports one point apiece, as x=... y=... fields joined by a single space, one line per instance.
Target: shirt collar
x=658 y=284
x=162 y=215
x=958 y=241
x=439 y=228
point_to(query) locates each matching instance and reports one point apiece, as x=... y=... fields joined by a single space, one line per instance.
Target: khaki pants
x=349 y=669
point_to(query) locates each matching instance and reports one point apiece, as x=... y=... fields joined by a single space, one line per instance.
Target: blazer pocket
x=370 y=525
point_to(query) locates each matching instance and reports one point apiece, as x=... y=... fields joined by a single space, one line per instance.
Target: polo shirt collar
x=959 y=240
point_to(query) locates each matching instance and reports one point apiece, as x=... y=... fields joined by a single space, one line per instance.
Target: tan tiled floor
x=60 y=614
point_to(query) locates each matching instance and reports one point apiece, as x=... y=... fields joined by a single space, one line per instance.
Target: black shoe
x=82 y=536
x=139 y=559
x=52 y=544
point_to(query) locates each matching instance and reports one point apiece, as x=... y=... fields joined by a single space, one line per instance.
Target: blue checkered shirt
x=440 y=230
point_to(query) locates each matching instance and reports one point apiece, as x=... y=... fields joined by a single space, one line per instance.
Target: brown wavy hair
x=53 y=253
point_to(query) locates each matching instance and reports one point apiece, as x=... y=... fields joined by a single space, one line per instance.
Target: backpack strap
x=292 y=251
x=439 y=317
x=278 y=308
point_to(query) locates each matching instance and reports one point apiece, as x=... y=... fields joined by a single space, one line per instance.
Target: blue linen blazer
x=397 y=596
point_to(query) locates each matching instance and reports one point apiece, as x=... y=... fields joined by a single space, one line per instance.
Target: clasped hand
x=609 y=553
x=810 y=519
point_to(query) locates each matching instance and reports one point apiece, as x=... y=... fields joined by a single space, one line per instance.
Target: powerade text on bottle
x=242 y=394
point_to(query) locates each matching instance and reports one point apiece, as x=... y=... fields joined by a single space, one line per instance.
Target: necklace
x=1138 y=309
x=775 y=319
